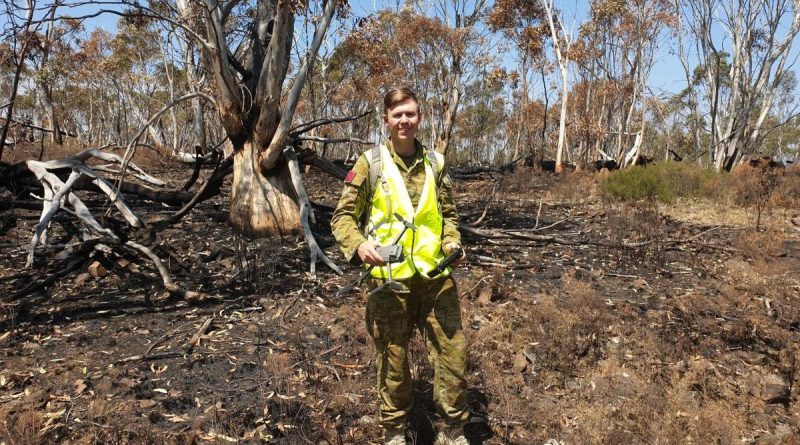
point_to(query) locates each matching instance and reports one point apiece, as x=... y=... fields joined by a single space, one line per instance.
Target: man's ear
x=385 y=118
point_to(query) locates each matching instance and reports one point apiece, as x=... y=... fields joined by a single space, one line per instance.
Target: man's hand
x=450 y=248
x=368 y=254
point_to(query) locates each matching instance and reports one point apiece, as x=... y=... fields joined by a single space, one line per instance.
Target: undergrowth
x=665 y=182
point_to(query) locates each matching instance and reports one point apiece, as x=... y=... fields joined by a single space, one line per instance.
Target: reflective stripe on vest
x=423 y=248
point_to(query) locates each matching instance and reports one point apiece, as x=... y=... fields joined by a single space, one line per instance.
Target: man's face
x=403 y=119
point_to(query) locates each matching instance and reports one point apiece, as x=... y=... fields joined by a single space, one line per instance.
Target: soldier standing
x=406 y=178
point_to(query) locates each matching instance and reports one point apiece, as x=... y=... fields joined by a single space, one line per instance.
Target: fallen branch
x=130 y=149
x=164 y=337
x=158 y=356
x=332 y=140
x=36 y=127
x=310 y=157
x=210 y=188
x=512 y=234
x=170 y=285
x=195 y=340
x=476 y=285
x=306 y=214
x=549 y=239
x=485 y=208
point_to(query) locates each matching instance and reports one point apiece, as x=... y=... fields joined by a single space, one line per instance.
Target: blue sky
x=666 y=77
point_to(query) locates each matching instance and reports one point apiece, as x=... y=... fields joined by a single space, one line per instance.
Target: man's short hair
x=396 y=96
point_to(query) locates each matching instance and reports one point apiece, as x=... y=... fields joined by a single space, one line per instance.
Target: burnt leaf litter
x=589 y=321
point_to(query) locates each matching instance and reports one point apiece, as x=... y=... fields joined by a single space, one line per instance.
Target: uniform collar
x=399 y=161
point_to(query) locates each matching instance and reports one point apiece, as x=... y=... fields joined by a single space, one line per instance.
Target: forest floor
x=589 y=321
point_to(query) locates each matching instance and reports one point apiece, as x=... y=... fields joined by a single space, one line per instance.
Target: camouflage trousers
x=432 y=306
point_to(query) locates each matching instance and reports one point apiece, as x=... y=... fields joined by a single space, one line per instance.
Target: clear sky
x=666 y=77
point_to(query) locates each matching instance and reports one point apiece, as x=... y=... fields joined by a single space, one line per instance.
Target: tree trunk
x=443 y=140
x=562 y=56
x=562 y=124
x=51 y=120
x=261 y=205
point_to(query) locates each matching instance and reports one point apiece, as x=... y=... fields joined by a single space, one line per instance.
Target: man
x=409 y=180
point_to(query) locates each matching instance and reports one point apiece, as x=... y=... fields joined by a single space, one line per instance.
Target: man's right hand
x=368 y=254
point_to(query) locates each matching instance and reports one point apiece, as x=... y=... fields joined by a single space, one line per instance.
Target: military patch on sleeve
x=350 y=176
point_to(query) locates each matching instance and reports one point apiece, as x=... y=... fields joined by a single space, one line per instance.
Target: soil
x=645 y=324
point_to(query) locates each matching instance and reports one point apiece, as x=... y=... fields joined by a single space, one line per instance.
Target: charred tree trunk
x=262 y=203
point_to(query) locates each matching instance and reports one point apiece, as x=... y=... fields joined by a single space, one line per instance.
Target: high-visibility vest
x=423 y=247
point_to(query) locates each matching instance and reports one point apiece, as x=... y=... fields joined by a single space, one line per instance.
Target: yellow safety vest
x=422 y=248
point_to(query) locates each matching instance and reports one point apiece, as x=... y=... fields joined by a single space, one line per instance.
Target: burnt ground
x=647 y=324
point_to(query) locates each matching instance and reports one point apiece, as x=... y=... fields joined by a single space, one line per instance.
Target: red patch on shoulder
x=350 y=176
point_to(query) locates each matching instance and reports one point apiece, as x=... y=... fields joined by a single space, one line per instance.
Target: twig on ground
x=195 y=340
x=476 y=285
x=157 y=356
x=538 y=212
x=485 y=208
x=163 y=337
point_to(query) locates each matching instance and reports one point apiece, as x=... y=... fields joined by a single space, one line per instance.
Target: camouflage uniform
x=432 y=305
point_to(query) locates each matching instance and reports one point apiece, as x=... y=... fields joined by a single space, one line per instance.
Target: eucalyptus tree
x=523 y=24
x=246 y=50
x=17 y=32
x=562 y=43
x=746 y=50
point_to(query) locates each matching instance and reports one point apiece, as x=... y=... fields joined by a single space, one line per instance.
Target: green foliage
x=664 y=181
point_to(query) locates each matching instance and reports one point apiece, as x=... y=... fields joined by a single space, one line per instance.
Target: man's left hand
x=450 y=248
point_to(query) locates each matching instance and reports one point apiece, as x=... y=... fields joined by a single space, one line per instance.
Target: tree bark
x=261 y=204
x=562 y=56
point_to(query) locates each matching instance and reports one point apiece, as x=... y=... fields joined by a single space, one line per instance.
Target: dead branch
x=54 y=193
x=57 y=193
x=483 y=260
x=199 y=161
x=485 y=208
x=487 y=277
x=332 y=140
x=36 y=127
x=310 y=157
x=306 y=214
x=164 y=337
x=170 y=285
x=474 y=172
x=209 y=189
x=158 y=356
x=538 y=213
x=115 y=158
x=195 y=340
x=308 y=126
x=115 y=198
x=131 y=147
x=512 y=234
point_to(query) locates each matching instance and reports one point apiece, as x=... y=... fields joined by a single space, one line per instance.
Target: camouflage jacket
x=355 y=196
